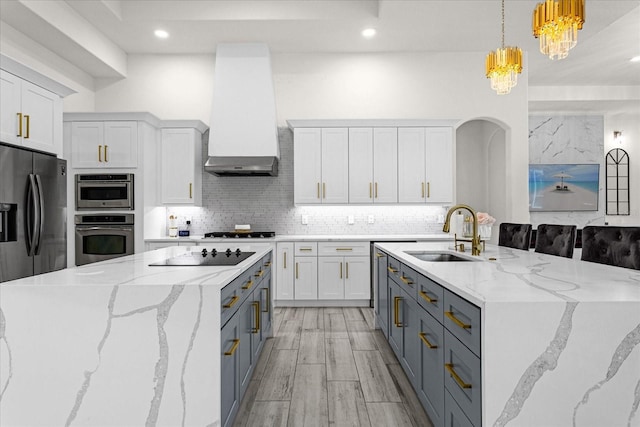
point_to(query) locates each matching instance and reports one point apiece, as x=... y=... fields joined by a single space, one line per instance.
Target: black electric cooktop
x=241 y=234
x=206 y=258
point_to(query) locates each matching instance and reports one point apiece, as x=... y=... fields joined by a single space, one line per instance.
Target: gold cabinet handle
x=376 y=190
x=406 y=280
x=256 y=306
x=19 y=124
x=268 y=301
x=392 y=270
x=423 y=190
x=100 y=153
x=232 y=302
x=26 y=117
x=423 y=338
x=233 y=348
x=324 y=190
x=341 y=270
x=456 y=377
x=379 y=255
x=427 y=298
x=306 y=249
x=428 y=190
x=284 y=265
x=267 y=264
x=191 y=190
x=347 y=269
x=318 y=189
x=370 y=191
x=105 y=154
x=248 y=285
x=344 y=249
x=259 y=273
x=457 y=321
x=396 y=317
x=296 y=270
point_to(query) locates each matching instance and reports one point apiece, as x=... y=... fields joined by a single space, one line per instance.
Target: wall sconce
x=617 y=137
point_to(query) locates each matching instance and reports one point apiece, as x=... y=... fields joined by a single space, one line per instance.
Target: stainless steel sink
x=433 y=256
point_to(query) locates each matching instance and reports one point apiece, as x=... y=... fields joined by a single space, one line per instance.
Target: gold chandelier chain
x=503 y=24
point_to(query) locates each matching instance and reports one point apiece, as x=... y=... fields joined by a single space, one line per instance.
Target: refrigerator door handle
x=40 y=211
x=32 y=214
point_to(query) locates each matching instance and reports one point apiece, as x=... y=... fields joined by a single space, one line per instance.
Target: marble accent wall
x=266 y=203
x=568 y=139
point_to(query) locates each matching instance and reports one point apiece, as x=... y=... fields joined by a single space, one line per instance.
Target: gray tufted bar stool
x=618 y=246
x=515 y=236
x=556 y=240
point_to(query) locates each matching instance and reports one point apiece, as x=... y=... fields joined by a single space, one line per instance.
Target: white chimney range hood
x=243 y=136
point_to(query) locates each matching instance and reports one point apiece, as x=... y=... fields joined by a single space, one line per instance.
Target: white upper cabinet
x=439 y=173
x=425 y=165
x=373 y=165
x=104 y=144
x=321 y=165
x=30 y=116
x=181 y=167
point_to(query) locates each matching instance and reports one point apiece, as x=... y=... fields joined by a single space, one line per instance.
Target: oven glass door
x=99 y=243
x=104 y=195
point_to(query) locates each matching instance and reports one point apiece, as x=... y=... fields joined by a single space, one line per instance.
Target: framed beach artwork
x=563 y=187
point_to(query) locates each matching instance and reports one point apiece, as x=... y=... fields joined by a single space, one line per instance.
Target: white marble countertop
x=135 y=270
x=313 y=237
x=521 y=276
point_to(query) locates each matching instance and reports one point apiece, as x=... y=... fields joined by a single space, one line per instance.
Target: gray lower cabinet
x=435 y=334
x=243 y=335
x=382 y=296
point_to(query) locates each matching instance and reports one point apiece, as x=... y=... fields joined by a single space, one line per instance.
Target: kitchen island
x=116 y=343
x=560 y=338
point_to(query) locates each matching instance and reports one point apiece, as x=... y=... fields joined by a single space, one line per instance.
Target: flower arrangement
x=485 y=221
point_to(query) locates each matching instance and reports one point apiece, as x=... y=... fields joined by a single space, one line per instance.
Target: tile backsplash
x=266 y=203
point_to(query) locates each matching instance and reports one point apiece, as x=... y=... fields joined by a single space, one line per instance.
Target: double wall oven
x=106 y=232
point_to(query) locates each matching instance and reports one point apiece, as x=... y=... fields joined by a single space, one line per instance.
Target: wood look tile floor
x=328 y=367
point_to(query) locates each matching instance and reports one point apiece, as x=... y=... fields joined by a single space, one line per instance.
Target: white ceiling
x=93 y=34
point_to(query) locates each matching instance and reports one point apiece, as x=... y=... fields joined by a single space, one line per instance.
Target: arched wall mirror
x=617 y=163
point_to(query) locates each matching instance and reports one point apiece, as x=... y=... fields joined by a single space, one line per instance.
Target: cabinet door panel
x=361 y=165
x=121 y=144
x=335 y=165
x=463 y=380
x=230 y=387
x=10 y=106
x=439 y=165
x=395 y=318
x=382 y=296
x=411 y=165
x=306 y=278
x=181 y=167
x=44 y=109
x=284 y=271
x=431 y=374
x=331 y=273
x=87 y=144
x=245 y=350
x=385 y=165
x=410 y=340
x=307 y=164
x=357 y=278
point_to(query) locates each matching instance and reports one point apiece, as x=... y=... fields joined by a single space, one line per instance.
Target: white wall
x=323 y=86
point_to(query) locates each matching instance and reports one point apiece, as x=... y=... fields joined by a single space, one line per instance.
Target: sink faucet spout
x=475 y=238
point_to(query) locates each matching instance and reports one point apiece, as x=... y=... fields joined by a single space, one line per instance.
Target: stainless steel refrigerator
x=33 y=213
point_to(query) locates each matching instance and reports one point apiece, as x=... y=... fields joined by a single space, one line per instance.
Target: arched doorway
x=481 y=172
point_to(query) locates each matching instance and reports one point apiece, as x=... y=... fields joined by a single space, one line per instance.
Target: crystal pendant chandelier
x=556 y=25
x=503 y=65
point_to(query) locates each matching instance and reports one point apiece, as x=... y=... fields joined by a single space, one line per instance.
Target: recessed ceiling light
x=161 y=34
x=368 y=33
x=635 y=59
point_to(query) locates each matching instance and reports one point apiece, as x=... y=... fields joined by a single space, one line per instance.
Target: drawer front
x=306 y=248
x=462 y=377
x=231 y=296
x=393 y=269
x=409 y=280
x=463 y=320
x=430 y=339
x=343 y=248
x=454 y=416
x=430 y=297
